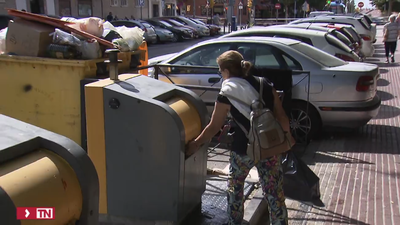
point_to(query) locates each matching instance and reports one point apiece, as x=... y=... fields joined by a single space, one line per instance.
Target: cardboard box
x=26 y=38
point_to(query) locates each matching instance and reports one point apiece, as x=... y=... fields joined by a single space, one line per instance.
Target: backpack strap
x=260 y=98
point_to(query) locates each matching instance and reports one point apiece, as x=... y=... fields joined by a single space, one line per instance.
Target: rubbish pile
x=69 y=38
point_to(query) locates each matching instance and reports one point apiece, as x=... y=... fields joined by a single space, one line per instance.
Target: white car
x=320 y=39
x=362 y=27
x=342 y=94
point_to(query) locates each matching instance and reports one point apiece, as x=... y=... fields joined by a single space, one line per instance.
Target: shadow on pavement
x=382 y=71
x=382 y=82
x=371 y=138
x=387 y=112
x=385 y=96
x=325 y=216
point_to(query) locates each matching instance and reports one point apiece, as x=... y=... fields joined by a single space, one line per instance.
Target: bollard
x=113 y=63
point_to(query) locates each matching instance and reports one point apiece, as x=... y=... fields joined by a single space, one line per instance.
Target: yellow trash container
x=46 y=92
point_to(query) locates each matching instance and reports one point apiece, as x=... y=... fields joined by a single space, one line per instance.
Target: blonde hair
x=234 y=62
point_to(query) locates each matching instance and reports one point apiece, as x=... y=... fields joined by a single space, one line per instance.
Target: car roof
x=291 y=30
x=284 y=41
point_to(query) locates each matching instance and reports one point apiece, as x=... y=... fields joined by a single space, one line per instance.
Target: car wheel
x=158 y=40
x=175 y=38
x=304 y=124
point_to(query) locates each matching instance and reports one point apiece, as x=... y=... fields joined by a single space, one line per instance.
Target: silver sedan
x=341 y=94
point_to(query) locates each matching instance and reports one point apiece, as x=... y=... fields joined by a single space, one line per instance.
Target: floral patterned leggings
x=271 y=179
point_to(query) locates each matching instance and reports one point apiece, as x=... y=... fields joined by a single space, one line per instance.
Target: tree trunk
x=390 y=7
x=286 y=11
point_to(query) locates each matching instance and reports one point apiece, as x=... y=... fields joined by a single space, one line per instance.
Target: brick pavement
x=360 y=170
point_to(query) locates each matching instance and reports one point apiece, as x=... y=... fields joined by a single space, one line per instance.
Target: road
x=167 y=48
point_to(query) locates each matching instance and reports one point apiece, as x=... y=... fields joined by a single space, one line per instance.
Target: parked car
x=177 y=24
x=363 y=29
x=342 y=94
x=180 y=33
x=351 y=43
x=202 y=30
x=379 y=20
x=214 y=29
x=320 y=39
x=149 y=33
x=163 y=35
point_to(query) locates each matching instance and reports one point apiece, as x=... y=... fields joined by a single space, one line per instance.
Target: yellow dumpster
x=46 y=92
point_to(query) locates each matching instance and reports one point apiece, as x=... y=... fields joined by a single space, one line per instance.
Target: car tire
x=175 y=38
x=158 y=40
x=304 y=125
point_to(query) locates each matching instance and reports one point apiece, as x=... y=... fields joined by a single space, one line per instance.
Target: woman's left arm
x=218 y=119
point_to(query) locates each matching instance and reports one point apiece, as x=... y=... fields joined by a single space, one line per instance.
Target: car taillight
x=345 y=57
x=145 y=29
x=364 y=83
x=365 y=37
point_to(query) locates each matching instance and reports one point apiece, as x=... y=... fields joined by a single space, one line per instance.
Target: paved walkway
x=359 y=171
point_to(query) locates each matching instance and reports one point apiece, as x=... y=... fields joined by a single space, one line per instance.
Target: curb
x=256 y=212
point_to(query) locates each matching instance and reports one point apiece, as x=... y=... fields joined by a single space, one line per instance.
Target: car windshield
x=319 y=56
x=165 y=24
x=176 y=23
x=147 y=25
x=199 y=22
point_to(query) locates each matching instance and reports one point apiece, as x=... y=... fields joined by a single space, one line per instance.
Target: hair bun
x=242 y=63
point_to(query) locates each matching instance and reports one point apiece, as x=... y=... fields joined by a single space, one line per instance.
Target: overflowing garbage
x=68 y=38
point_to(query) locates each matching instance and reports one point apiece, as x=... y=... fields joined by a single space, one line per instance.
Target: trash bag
x=132 y=35
x=300 y=182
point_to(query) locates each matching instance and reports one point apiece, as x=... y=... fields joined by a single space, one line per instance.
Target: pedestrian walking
x=110 y=17
x=390 y=36
x=245 y=87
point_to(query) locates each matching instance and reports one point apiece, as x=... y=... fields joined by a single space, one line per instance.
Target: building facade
x=97 y=8
x=220 y=7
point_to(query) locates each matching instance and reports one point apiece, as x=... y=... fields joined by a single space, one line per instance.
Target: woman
x=390 y=35
x=234 y=71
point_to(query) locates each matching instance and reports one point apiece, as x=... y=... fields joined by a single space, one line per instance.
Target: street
x=167 y=48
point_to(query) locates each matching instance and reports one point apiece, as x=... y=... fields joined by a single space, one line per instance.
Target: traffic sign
x=277 y=6
x=361 y=4
x=240 y=5
x=141 y=3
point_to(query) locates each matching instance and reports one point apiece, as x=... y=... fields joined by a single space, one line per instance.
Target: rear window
x=342 y=37
x=332 y=40
x=364 y=23
x=317 y=55
x=353 y=33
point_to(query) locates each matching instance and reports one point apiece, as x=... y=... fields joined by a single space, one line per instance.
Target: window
x=332 y=40
x=113 y=3
x=124 y=3
x=302 y=39
x=291 y=62
x=202 y=56
x=266 y=56
x=85 y=8
x=123 y=23
x=64 y=7
x=317 y=55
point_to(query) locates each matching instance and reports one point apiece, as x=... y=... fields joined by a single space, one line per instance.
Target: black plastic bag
x=300 y=182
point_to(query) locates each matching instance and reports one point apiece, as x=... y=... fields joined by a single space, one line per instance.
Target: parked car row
x=170 y=29
x=342 y=90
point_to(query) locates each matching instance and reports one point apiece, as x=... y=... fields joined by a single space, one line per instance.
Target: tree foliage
x=386 y=5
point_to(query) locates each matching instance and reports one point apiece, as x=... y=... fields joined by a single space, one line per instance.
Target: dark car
x=178 y=24
x=214 y=29
x=4 y=19
x=181 y=33
x=149 y=33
